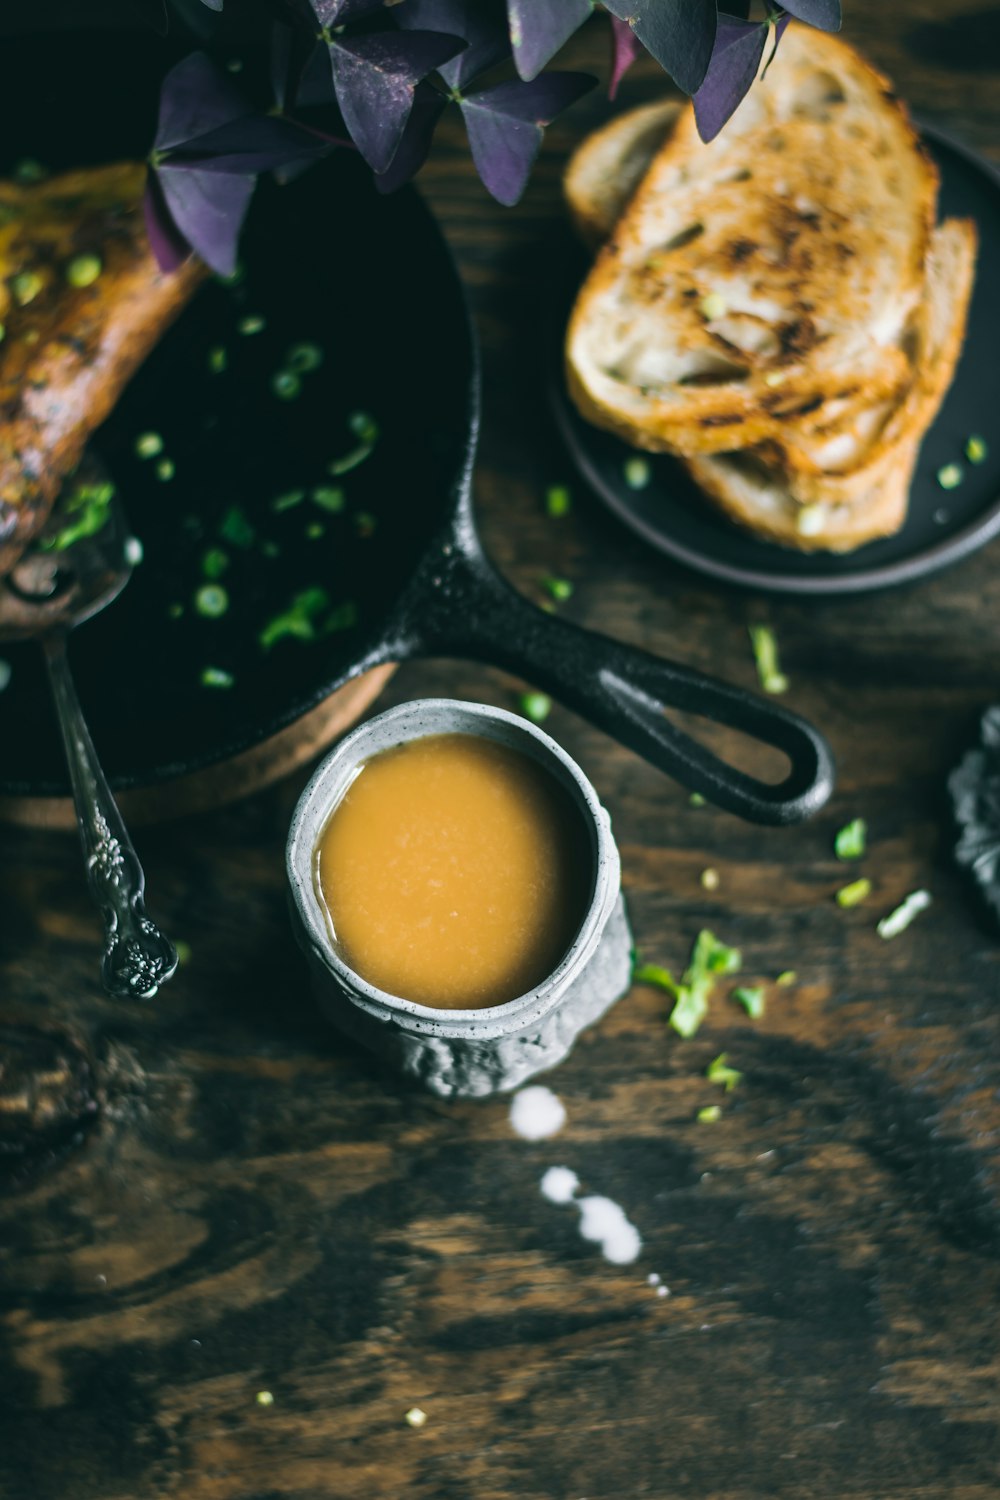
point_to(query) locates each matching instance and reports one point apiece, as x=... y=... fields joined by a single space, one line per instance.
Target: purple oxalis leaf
x=625 y=48
x=208 y=210
x=212 y=4
x=338 y=12
x=538 y=28
x=293 y=49
x=679 y=34
x=823 y=14
x=736 y=58
x=411 y=153
x=168 y=245
x=196 y=97
x=480 y=23
x=375 y=77
x=256 y=143
x=505 y=126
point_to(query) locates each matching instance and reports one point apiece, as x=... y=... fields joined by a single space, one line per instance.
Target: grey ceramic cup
x=462 y=1052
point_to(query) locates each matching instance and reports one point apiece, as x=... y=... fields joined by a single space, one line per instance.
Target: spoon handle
x=137 y=957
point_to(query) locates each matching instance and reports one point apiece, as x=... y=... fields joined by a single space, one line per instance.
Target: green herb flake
x=90 y=505
x=6 y=673
x=559 y=589
x=765 y=651
x=718 y=1071
x=851 y=840
x=26 y=286
x=217 y=360
x=308 y=616
x=148 y=445
x=315 y=530
x=535 y=706
x=166 y=469
x=236 y=528
x=329 y=497
x=558 y=501
x=786 y=978
x=214 y=562
x=211 y=601
x=709 y=957
x=976 y=450
x=897 y=921
x=364 y=426
x=216 y=677
x=855 y=893
x=637 y=473
x=752 y=1001
x=657 y=976
x=950 y=476
x=288 y=500
x=84 y=270
x=709 y=1114
x=304 y=358
x=697 y=800
x=183 y=951
x=286 y=385
x=265 y=1398
x=251 y=325
x=365 y=429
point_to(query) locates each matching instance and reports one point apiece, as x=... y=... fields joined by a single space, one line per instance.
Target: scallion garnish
x=211 y=601
x=216 y=677
x=696 y=800
x=288 y=500
x=850 y=842
x=535 y=706
x=709 y=879
x=286 y=385
x=709 y=958
x=307 y=617
x=217 y=360
x=709 y=1114
x=637 y=473
x=148 y=445
x=765 y=651
x=976 y=450
x=236 y=528
x=950 y=476
x=329 y=497
x=83 y=270
x=557 y=501
x=719 y=1072
x=897 y=921
x=786 y=978
x=166 y=469
x=752 y=1001
x=251 y=325
x=315 y=530
x=214 y=562
x=559 y=589
x=26 y=286
x=855 y=893
x=90 y=505
x=303 y=358
x=365 y=429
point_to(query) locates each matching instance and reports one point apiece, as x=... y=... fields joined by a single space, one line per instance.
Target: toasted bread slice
x=608 y=165
x=837 y=512
x=68 y=349
x=764 y=269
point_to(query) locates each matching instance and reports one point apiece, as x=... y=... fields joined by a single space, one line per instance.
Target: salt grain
x=559 y=1185
x=536 y=1113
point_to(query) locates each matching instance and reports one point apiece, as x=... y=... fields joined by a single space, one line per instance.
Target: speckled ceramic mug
x=463 y=1052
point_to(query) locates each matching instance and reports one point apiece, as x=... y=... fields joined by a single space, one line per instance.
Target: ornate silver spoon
x=82 y=560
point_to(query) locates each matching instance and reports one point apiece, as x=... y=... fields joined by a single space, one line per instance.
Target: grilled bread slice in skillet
x=82 y=302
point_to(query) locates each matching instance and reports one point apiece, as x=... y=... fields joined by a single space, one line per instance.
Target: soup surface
x=456 y=872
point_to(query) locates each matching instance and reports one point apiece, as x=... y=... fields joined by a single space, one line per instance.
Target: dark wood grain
x=259 y=1208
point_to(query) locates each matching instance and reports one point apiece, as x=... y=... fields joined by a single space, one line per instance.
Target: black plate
x=941 y=527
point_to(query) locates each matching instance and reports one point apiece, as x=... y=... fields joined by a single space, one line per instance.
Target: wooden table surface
x=259 y=1208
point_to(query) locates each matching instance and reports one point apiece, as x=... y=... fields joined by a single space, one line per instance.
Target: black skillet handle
x=458 y=605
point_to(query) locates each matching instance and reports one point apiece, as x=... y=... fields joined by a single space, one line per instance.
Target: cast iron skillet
x=369 y=282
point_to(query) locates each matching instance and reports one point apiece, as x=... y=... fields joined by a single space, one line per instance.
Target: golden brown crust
x=68 y=351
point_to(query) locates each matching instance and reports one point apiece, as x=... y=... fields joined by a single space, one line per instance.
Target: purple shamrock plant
x=389 y=69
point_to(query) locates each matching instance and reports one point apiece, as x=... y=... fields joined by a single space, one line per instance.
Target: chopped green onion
x=897 y=921
x=148 y=445
x=713 y=306
x=90 y=504
x=786 y=977
x=183 y=951
x=696 y=800
x=29 y=170
x=637 y=473
x=289 y=499
x=166 y=469
x=83 y=270
x=217 y=677
x=302 y=358
x=329 y=497
x=950 y=476
x=719 y=1072
x=709 y=1114
x=709 y=957
x=315 y=530
x=765 y=650
x=855 y=893
x=236 y=528
x=752 y=1001
x=6 y=672
x=303 y=619
x=535 y=706
x=557 y=501
x=976 y=450
x=286 y=385
x=26 y=286
x=560 y=589
x=657 y=976
x=850 y=842
x=211 y=600
x=214 y=562
x=709 y=879
x=364 y=426
x=251 y=325
x=217 y=360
